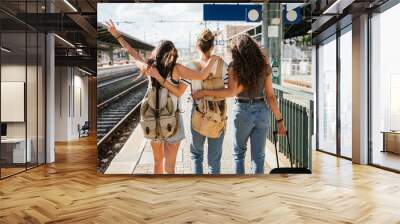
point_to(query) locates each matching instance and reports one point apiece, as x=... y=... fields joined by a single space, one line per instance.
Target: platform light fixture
x=70 y=5
x=5 y=50
x=79 y=51
x=64 y=40
x=337 y=7
x=327 y=11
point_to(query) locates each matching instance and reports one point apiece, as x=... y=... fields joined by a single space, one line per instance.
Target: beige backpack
x=209 y=117
x=158 y=118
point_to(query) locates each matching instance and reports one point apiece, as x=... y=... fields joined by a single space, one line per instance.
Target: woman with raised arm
x=166 y=74
x=250 y=82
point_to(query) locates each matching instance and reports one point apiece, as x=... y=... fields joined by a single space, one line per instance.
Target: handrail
x=300 y=93
x=299 y=118
x=119 y=124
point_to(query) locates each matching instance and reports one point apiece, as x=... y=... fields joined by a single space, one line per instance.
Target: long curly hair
x=249 y=63
x=164 y=58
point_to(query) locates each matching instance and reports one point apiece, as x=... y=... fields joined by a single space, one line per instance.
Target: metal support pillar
x=272 y=37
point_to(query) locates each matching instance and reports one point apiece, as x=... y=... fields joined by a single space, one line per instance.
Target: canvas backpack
x=158 y=118
x=209 y=116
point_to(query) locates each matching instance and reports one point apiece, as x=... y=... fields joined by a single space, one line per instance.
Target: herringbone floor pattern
x=70 y=191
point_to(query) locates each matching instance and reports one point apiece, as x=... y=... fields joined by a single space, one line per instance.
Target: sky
x=152 y=22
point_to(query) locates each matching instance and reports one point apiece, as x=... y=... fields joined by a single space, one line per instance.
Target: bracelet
x=279 y=121
x=118 y=37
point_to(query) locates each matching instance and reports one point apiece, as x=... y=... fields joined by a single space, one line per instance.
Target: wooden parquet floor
x=70 y=191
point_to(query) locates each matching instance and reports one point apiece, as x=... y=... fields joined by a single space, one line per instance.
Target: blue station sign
x=292 y=16
x=232 y=12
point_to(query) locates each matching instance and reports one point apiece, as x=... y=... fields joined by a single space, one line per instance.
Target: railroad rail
x=115 y=79
x=114 y=111
x=119 y=79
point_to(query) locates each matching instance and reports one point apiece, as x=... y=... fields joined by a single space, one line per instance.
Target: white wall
x=33 y=126
x=70 y=83
x=12 y=73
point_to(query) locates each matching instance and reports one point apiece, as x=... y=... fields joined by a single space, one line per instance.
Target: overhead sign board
x=232 y=12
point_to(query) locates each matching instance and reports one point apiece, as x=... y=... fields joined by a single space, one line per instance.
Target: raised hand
x=112 y=28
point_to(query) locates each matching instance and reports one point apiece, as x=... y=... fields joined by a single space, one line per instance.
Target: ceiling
x=74 y=22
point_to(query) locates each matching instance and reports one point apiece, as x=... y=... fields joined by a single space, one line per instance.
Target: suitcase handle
x=276 y=148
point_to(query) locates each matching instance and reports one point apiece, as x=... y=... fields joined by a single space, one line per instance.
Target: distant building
x=221 y=41
x=231 y=30
x=187 y=54
x=112 y=56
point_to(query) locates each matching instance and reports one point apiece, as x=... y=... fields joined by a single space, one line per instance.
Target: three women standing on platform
x=165 y=73
x=250 y=82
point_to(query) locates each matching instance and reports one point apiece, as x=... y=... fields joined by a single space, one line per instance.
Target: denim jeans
x=249 y=121
x=214 y=152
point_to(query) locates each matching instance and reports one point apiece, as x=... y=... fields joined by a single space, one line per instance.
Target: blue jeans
x=214 y=152
x=249 y=121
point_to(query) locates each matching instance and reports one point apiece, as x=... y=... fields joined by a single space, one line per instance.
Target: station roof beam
x=105 y=39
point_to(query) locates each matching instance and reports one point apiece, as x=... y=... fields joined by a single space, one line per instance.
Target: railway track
x=114 y=111
x=119 y=79
x=112 y=86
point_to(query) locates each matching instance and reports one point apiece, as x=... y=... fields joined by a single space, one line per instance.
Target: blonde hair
x=205 y=40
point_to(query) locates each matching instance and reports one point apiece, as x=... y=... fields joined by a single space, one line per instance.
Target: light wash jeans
x=214 y=152
x=249 y=121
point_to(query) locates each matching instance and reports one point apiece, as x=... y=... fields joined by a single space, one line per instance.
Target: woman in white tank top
x=205 y=47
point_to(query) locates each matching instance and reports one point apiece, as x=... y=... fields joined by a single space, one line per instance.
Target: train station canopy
x=105 y=39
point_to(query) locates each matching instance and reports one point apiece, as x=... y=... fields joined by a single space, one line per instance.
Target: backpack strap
x=218 y=71
x=157 y=110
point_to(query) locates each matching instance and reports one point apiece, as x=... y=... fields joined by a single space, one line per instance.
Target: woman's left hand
x=198 y=94
x=145 y=71
x=281 y=128
x=152 y=72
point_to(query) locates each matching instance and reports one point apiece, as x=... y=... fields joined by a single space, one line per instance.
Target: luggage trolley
x=287 y=170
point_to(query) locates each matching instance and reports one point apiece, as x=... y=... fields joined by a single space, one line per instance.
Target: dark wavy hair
x=164 y=58
x=249 y=63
